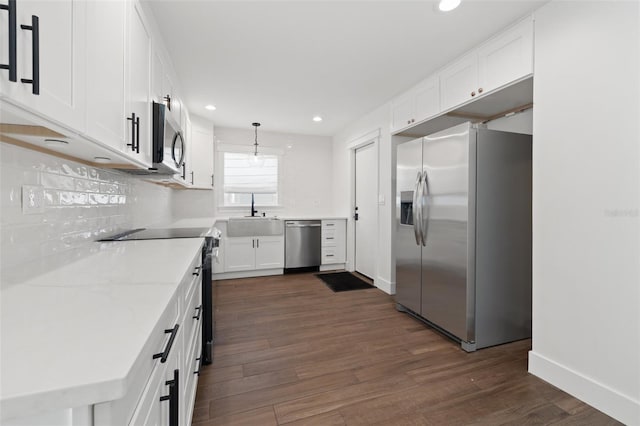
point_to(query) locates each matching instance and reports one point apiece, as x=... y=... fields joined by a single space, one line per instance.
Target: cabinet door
x=62 y=48
x=202 y=158
x=506 y=58
x=459 y=82
x=169 y=92
x=402 y=112
x=269 y=252
x=427 y=99
x=157 y=75
x=138 y=88
x=106 y=116
x=239 y=254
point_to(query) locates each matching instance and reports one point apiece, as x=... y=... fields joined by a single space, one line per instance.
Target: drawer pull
x=197 y=372
x=329 y=238
x=173 y=398
x=329 y=255
x=197 y=271
x=165 y=354
x=329 y=224
x=199 y=310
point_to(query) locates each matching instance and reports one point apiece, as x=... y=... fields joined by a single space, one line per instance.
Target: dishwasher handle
x=295 y=225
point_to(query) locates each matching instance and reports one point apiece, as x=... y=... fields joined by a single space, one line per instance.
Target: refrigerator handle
x=424 y=209
x=415 y=208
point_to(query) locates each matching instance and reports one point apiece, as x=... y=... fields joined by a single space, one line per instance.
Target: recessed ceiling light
x=58 y=143
x=317 y=119
x=448 y=5
x=102 y=160
x=210 y=107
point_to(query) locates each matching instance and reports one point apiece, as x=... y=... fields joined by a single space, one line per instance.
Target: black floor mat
x=343 y=281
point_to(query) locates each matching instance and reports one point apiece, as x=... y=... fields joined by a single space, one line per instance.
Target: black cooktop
x=159 y=234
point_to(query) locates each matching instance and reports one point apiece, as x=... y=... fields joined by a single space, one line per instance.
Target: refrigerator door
x=444 y=299
x=408 y=237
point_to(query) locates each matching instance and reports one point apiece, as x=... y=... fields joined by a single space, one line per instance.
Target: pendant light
x=255 y=159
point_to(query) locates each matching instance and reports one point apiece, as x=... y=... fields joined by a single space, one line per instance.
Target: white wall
x=82 y=203
x=306 y=171
x=586 y=192
x=376 y=121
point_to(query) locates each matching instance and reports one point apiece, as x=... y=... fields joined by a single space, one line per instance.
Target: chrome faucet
x=253 y=210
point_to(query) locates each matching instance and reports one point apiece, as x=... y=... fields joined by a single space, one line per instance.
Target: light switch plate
x=32 y=199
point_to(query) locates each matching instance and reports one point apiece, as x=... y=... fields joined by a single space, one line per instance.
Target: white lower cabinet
x=334 y=242
x=163 y=390
x=254 y=253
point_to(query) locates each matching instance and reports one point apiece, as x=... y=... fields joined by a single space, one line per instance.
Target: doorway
x=366 y=209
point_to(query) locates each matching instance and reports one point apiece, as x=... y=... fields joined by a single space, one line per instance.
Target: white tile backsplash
x=81 y=204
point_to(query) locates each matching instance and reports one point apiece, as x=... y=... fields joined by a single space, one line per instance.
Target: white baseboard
x=332 y=267
x=602 y=397
x=247 y=274
x=384 y=285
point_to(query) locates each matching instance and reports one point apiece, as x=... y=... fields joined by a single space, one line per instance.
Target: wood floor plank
x=290 y=351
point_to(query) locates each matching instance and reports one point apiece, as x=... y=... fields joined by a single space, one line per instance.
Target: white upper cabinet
x=420 y=104
x=501 y=60
x=138 y=87
x=59 y=70
x=507 y=57
x=459 y=81
x=118 y=86
x=106 y=73
x=202 y=161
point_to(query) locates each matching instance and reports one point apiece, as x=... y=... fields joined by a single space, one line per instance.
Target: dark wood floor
x=290 y=351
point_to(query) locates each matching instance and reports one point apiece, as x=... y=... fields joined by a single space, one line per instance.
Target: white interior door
x=366 y=205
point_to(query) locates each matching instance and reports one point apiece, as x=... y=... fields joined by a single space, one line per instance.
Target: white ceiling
x=282 y=62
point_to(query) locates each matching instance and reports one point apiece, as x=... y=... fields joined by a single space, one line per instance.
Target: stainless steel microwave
x=168 y=143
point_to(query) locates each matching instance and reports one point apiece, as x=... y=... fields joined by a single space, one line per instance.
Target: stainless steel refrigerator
x=463 y=235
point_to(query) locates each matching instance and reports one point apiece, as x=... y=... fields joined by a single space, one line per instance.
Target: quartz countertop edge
x=83 y=350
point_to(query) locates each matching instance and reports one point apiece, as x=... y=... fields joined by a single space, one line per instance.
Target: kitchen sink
x=254 y=226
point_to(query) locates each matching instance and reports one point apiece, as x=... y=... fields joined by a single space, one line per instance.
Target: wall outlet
x=32 y=199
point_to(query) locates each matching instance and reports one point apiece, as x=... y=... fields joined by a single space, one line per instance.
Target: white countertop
x=71 y=336
x=224 y=219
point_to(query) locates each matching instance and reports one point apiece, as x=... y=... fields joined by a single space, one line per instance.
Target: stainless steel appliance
x=209 y=250
x=302 y=243
x=168 y=144
x=463 y=241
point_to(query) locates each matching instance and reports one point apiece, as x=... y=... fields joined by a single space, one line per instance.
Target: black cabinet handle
x=11 y=66
x=199 y=310
x=197 y=372
x=211 y=180
x=173 y=398
x=35 y=52
x=191 y=178
x=257 y=243
x=184 y=171
x=138 y=135
x=197 y=271
x=134 y=121
x=165 y=354
x=168 y=101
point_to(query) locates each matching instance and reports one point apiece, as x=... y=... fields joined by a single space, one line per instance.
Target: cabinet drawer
x=193 y=314
x=329 y=236
x=332 y=255
x=191 y=377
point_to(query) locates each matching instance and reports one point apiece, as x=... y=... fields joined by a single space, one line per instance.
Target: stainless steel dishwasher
x=302 y=243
